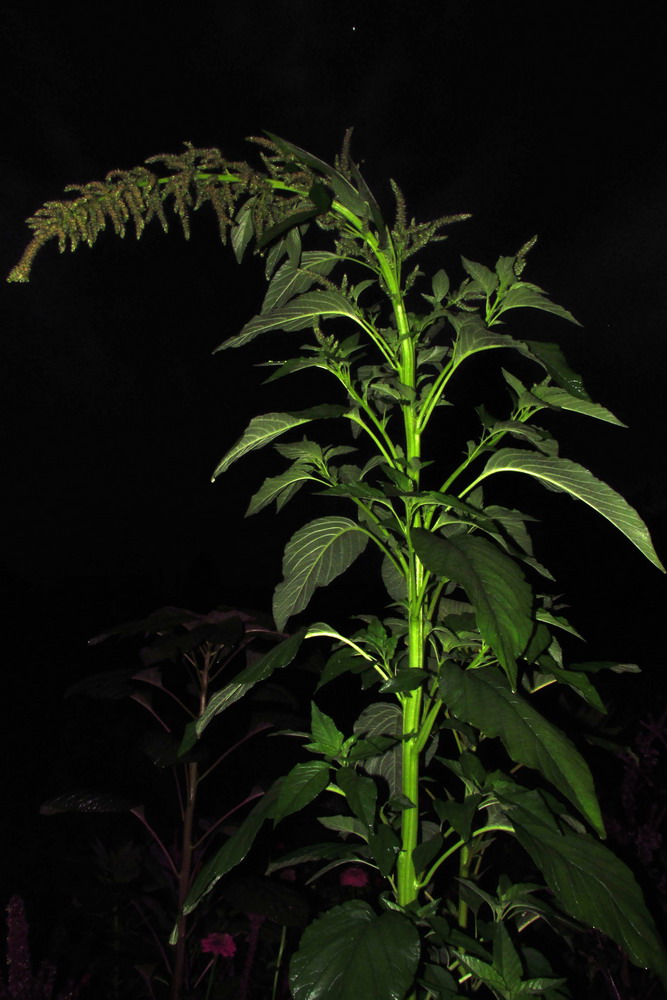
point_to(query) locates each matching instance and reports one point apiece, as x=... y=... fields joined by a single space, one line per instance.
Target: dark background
x=115 y=413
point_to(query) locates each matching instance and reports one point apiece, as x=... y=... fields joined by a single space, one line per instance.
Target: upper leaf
x=525 y=295
x=314 y=556
x=578 y=482
x=266 y=428
x=304 y=311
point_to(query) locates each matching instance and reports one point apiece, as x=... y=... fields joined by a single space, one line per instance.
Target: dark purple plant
x=22 y=983
x=205 y=650
x=639 y=827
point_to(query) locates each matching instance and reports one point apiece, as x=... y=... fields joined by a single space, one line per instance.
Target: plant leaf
x=574 y=479
x=304 y=311
x=383 y=719
x=552 y=359
x=350 y=953
x=523 y=295
x=482 y=275
x=300 y=786
x=482 y=698
x=234 y=850
x=344 y=191
x=289 y=281
x=266 y=428
x=275 y=486
x=474 y=336
x=561 y=399
x=314 y=556
x=590 y=882
x=495 y=586
x=280 y=656
x=360 y=792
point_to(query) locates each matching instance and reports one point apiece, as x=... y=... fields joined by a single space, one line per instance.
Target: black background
x=115 y=413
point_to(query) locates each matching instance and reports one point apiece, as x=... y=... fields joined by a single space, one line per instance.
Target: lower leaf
x=352 y=953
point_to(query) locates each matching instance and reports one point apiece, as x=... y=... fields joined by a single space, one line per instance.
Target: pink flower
x=288 y=875
x=354 y=876
x=219 y=944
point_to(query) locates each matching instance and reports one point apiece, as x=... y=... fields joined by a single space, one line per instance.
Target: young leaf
x=495 y=587
x=314 y=556
x=482 y=698
x=578 y=482
x=326 y=736
x=482 y=275
x=350 y=953
x=262 y=430
x=527 y=296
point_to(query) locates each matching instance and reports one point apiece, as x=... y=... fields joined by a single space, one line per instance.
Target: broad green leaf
x=383 y=719
x=345 y=825
x=482 y=275
x=579 y=682
x=266 y=428
x=440 y=984
x=233 y=850
x=562 y=474
x=590 y=883
x=290 y=281
x=552 y=359
x=384 y=845
x=360 y=792
x=404 y=680
x=426 y=852
x=304 y=311
x=561 y=399
x=483 y=698
x=523 y=295
x=350 y=953
x=505 y=957
x=314 y=556
x=326 y=736
x=280 y=656
x=313 y=852
x=300 y=786
x=474 y=336
x=494 y=584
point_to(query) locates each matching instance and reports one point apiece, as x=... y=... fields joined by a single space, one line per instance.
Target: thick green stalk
x=406 y=877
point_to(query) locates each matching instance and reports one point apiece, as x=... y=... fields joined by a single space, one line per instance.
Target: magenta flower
x=354 y=876
x=219 y=944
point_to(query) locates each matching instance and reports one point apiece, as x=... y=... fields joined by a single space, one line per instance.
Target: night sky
x=115 y=411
